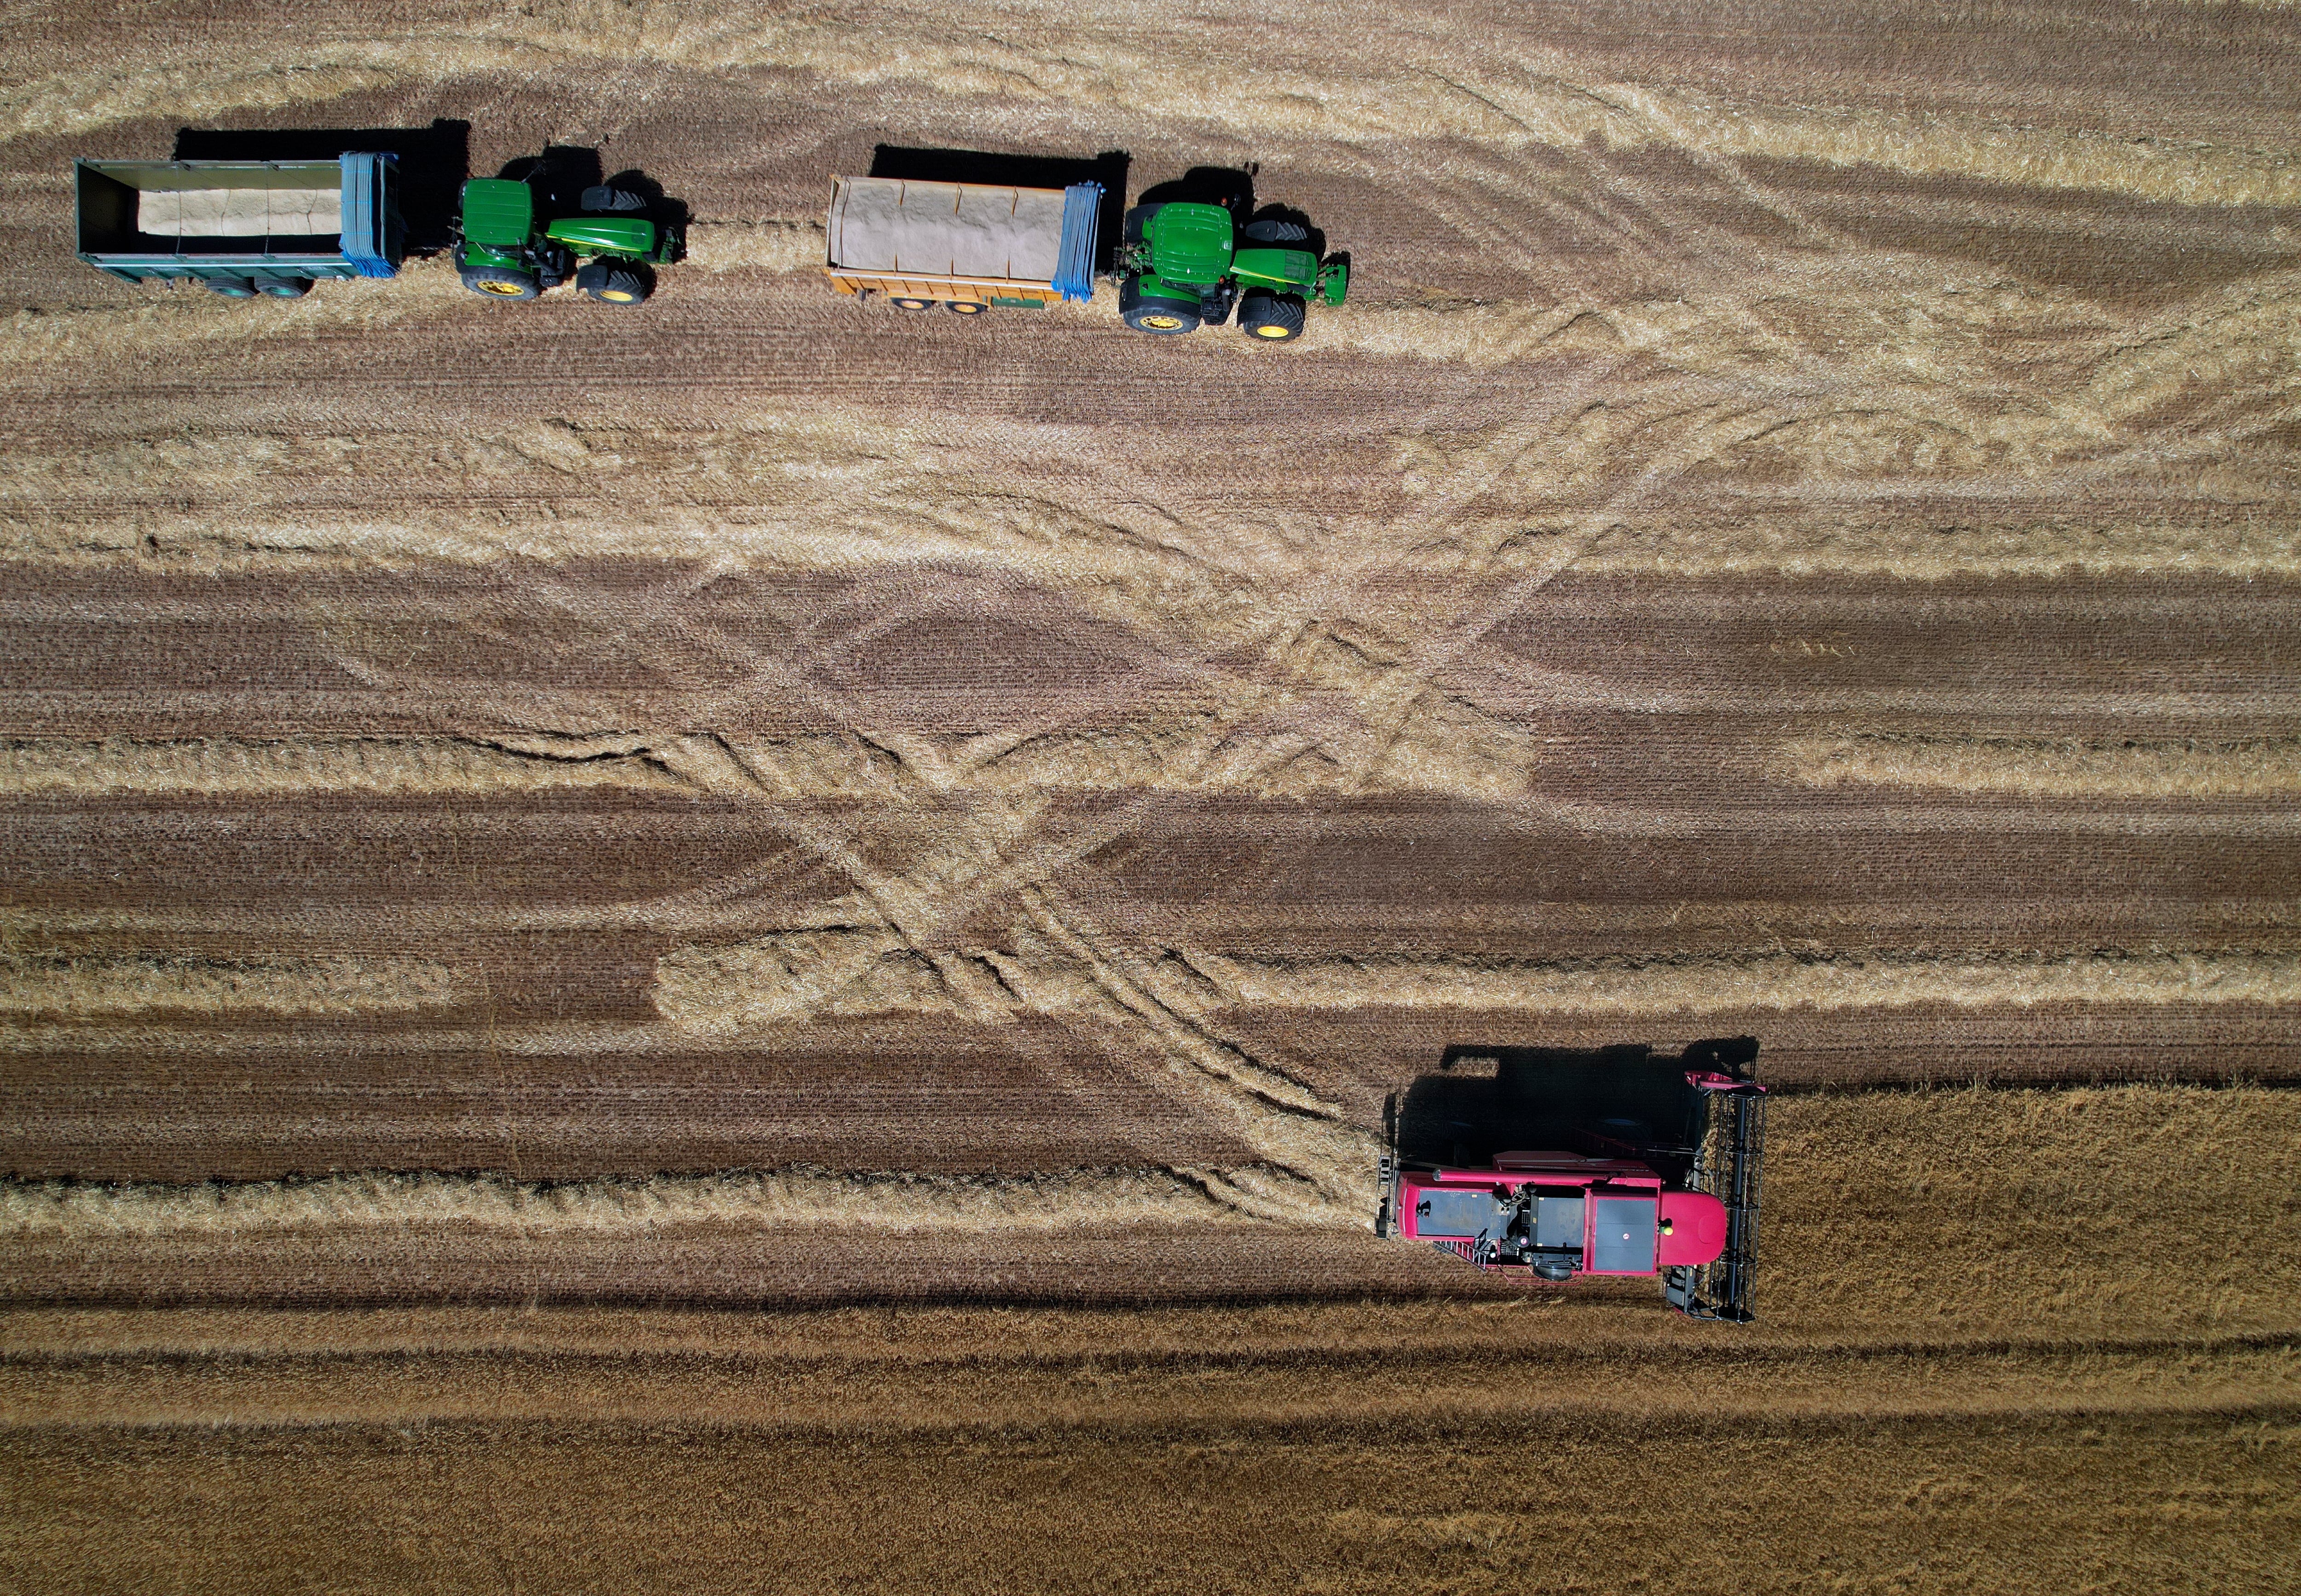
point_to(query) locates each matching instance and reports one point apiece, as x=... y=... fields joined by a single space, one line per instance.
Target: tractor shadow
x=1486 y=1100
x=917 y=165
x=561 y=173
x=1229 y=187
x=434 y=162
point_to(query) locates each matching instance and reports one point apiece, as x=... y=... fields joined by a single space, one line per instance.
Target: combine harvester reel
x=1643 y=1167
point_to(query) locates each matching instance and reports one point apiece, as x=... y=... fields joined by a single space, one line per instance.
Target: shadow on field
x=1487 y=1101
x=565 y=175
x=434 y=162
x=913 y=165
x=1229 y=187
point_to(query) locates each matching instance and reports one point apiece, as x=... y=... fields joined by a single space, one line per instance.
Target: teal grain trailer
x=243 y=227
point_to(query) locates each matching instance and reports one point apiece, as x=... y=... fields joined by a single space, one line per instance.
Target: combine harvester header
x=1673 y=1194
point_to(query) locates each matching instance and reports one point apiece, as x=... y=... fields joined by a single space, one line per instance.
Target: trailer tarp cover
x=894 y=228
x=370 y=236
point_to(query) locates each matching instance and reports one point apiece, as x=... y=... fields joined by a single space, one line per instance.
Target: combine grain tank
x=244 y=228
x=1666 y=1186
x=967 y=246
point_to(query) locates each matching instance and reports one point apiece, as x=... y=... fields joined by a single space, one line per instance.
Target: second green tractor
x=1184 y=265
x=507 y=248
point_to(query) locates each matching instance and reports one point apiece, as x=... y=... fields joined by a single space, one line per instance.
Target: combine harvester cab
x=243 y=227
x=1671 y=1193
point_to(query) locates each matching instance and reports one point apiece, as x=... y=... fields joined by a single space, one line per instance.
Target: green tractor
x=1184 y=265
x=505 y=250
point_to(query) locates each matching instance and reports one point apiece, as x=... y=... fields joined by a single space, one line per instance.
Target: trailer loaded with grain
x=967 y=246
x=971 y=248
x=243 y=227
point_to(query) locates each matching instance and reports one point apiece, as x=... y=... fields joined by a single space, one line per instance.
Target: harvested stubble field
x=758 y=944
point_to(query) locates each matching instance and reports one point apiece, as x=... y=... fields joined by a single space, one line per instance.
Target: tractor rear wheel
x=906 y=301
x=232 y=288
x=1137 y=219
x=602 y=199
x=1274 y=318
x=614 y=282
x=500 y=283
x=1271 y=231
x=1166 y=314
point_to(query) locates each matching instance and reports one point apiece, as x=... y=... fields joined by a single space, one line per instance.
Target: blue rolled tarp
x=1075 y=264
x=366 y=215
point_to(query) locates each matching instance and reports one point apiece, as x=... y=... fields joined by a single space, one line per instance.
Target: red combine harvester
x=1648 y=1166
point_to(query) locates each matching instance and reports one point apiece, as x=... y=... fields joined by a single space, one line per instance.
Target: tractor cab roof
x=1190 y=243
x=498 y=212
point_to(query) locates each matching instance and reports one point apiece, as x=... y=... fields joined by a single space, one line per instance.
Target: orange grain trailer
x=967 y=247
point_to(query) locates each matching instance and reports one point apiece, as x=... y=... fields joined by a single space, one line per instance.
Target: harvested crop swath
x=34 y=988
x=2260 y=769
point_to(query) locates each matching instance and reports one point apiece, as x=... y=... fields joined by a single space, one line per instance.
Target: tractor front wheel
x=1274 y=318
x=500 y=283
x=614 y=282
x=1165 y=314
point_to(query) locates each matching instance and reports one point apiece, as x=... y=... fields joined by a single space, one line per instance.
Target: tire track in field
x=1312 y=670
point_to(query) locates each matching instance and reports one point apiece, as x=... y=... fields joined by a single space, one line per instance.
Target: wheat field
x=759 y=943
